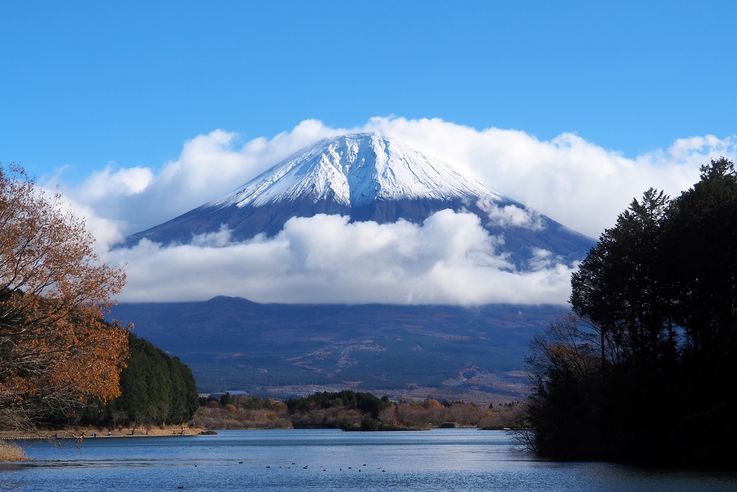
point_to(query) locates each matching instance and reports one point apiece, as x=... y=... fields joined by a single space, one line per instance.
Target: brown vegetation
x=99 y=432
x=431 y=413
x=11 y=452
x=246 y=412
x=505 y=416
x=243 y=413
x=56 y=352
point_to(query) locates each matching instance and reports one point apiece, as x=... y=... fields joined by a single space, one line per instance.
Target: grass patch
x=11 y=452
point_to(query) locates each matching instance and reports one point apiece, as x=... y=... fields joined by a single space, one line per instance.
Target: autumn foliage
x=56 y=352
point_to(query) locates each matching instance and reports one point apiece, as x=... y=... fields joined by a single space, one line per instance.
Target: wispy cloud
x=511 y=215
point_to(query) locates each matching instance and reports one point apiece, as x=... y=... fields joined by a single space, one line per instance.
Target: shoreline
x=83 y=432
x=86 y=432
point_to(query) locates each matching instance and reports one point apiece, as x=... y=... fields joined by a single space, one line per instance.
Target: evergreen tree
x=659 y=293
x=156 y=389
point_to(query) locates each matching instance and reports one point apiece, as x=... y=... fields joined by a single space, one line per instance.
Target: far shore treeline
x=352 y=411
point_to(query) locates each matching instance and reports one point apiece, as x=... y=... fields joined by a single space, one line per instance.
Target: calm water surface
x=443 y=459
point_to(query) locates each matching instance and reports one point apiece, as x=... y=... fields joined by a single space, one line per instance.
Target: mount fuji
x=370 y=177
x=407 y=351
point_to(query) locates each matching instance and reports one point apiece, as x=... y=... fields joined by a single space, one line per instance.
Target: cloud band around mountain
x=574 y=181
x=449 y=259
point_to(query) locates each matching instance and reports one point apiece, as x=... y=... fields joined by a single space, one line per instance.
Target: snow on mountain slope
x=355 y=170
x=369 y=177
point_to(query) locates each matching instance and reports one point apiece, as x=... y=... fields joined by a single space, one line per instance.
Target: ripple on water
x=443 y=459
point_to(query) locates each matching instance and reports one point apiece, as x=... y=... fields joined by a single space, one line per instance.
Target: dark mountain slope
x=235 y=344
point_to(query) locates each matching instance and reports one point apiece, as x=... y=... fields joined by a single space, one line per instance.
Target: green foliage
x=157 y=389
x=642 y=374
x=227 y=399
x=366 y=403
x=247 y=402
x=369 y=424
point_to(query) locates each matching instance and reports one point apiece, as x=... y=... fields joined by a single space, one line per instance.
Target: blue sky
x=128 y=98
x=86 y=83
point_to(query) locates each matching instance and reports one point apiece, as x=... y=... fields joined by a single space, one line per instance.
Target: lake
x=441 y=459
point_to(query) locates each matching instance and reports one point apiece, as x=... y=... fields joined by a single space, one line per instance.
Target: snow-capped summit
x=369 y=176
x=355 y=170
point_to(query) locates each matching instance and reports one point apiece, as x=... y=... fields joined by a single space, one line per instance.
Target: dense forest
x=643 y=370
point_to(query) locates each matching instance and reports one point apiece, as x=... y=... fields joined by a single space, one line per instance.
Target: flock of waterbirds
x=294 y=465
x=325 y=468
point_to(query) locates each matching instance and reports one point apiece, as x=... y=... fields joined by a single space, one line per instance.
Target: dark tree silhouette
x=643 y=372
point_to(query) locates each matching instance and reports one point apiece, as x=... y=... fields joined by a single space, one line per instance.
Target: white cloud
x=217 y=239
x=511 y=215
x=208 y=167
x=576 y=182
x=542 y=259
x=107 y=183
x=448 y=259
